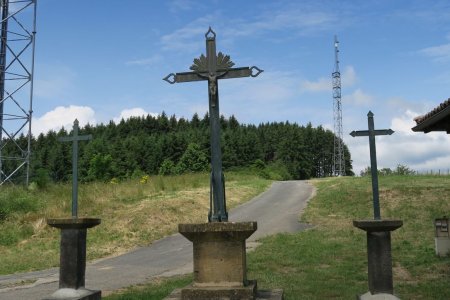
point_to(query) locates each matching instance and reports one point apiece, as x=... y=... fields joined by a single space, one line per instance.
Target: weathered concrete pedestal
x=379 y=257
x=220 y=270
x=73 y=259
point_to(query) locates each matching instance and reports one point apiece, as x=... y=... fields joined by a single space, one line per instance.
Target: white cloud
x=62 y=117
x=403 y=124
x=322 y=84
x=358 y=98
x=182 y=5
x=145 y=61
x=302 y=19
x=420 y=152
x=132 y=112
x=348 y=79
x=439 y=53
x=187 y=37
x=296 y=18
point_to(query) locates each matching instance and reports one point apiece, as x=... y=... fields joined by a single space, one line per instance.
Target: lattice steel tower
x=17 y=44
x=338 y=154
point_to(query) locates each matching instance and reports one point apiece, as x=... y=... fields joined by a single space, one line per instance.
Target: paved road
x=275 y=210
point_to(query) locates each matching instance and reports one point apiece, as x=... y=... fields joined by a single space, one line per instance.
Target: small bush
x=42 y=178
x=192 y=160
x=16 y=200
x=11 y=234
x=259 y=164
x=403 y=170
x=167 y=168
x=276 y=171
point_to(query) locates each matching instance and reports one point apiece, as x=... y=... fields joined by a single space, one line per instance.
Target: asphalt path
x=276 y=210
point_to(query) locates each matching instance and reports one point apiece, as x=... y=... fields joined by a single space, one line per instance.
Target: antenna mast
x=17 y=44
x=338 y=154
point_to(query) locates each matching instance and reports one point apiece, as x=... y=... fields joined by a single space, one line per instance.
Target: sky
x=104 y=60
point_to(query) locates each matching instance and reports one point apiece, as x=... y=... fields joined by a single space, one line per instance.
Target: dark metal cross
x=213 y=67
x=371 y=133
x=74 y=139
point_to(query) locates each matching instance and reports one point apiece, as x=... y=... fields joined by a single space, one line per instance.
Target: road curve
x=275 y=210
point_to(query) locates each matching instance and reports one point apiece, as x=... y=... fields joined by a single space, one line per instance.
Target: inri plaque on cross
x=75 y=138
x=213 y=67
x=371 y=133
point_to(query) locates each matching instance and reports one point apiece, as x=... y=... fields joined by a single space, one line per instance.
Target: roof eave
x=426 y=125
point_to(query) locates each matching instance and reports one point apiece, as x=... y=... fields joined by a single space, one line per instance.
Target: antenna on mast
x=338 y=153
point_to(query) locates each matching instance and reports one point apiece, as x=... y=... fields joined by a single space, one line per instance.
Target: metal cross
x=74 y=139
x=213 y=67
x=371 y=133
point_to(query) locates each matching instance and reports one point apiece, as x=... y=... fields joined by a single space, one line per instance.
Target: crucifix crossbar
x=213 y=67
x=75 y=138
x=371 y=133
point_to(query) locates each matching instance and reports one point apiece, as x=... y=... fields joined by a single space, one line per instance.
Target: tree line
x=171 y=145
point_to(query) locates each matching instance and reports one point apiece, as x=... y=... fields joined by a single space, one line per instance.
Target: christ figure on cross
x=213 y=67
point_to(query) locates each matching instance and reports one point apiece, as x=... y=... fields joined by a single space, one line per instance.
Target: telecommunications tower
x=17 y=44
x=338 y=154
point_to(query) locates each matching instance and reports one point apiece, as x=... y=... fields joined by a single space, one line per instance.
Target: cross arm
x=78 y=138
x=375 y=132
x=198 y=76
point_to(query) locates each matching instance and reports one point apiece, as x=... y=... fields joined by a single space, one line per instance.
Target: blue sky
x=102 y=60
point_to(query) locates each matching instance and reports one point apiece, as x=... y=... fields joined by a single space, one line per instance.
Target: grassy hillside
x=329 y=261
x=134 y=213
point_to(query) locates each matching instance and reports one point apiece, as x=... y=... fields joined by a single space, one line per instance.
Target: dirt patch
x=402 y=274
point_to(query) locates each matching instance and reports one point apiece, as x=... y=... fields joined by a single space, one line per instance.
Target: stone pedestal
x=442 y=236
x=220 y=268
x=379 y=254
x=73 y=259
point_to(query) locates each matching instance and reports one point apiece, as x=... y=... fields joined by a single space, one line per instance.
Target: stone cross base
x=442 y=246
x=275 y=294
x=220 y=270
x=72 y=294
x=220 y=292
x=369 y=296
x=73 y=258
x=379 y=254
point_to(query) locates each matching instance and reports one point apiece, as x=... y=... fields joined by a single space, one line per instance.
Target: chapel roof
x=437 y=119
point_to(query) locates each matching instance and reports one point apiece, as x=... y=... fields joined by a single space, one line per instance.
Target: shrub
x=276 y=171
x=193 y=160
x=100 y=167
x=167 y=168
x=259 y=164
x=403 y=170
x=16 y=200
x=11 y=234
x=42 y=178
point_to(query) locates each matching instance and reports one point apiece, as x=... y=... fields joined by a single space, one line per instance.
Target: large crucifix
x=213 y=67
x=371 y=133
x=75 y=138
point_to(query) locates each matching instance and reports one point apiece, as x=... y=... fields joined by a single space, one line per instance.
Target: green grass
x=329 y=261
x=157 y=289
x=133 y=214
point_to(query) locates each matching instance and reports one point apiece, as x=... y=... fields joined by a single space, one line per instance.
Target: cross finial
x=208 y=36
